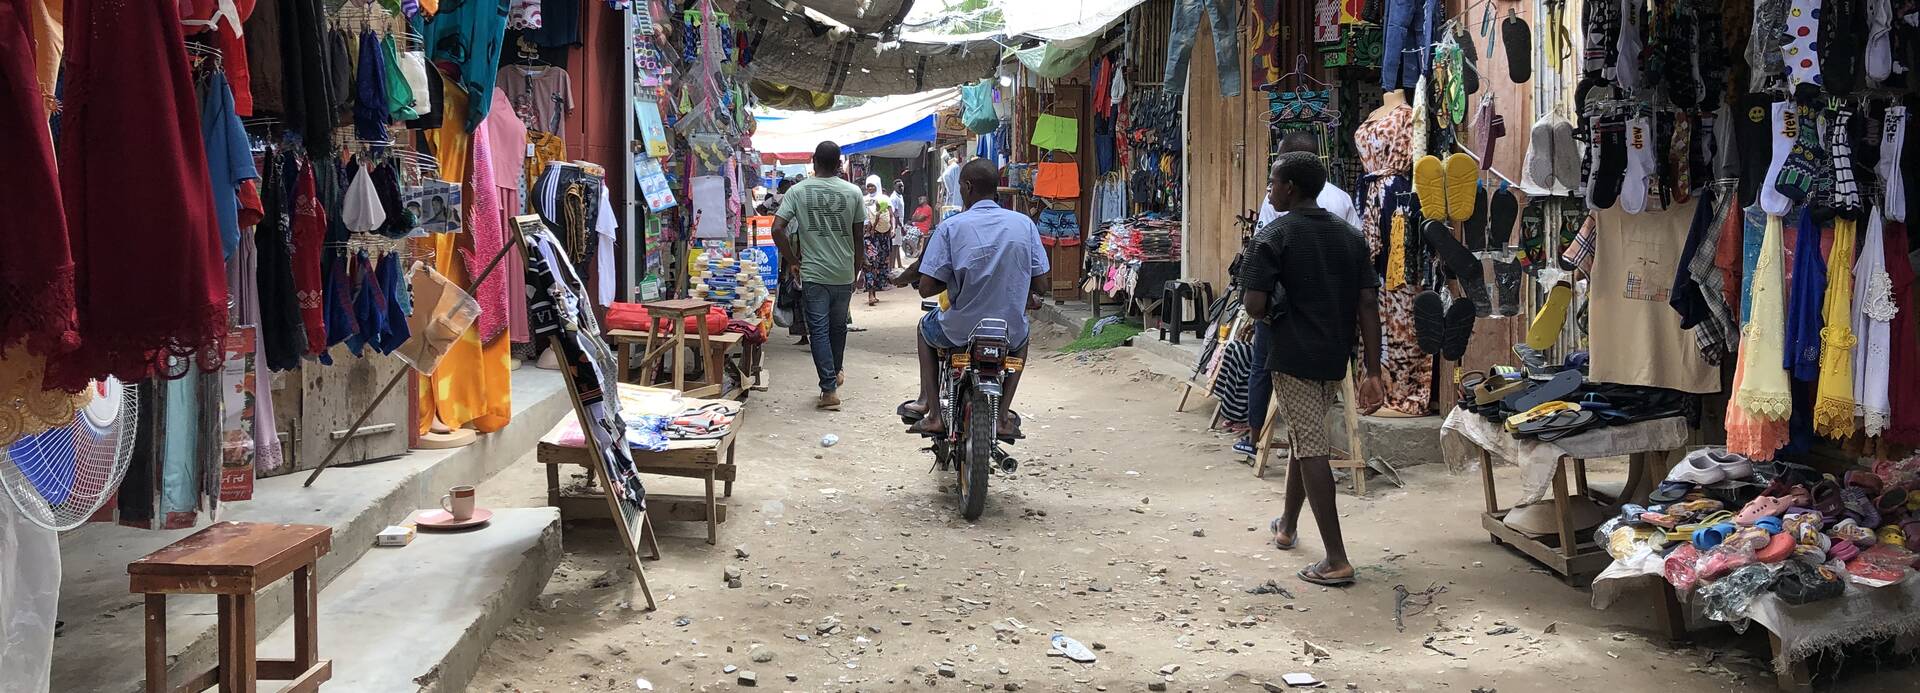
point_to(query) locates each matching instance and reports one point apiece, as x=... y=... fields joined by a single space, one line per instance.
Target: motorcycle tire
x=977 y=460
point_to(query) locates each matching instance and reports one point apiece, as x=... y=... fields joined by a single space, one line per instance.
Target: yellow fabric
x=1397 y=253
x=1833 y=409
x=547 y=148
x=1763 y=392
x=25 y=407
x=48 y=20
x=474 y=384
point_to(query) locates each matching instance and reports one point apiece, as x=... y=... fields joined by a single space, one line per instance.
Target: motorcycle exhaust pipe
x=1008 y=465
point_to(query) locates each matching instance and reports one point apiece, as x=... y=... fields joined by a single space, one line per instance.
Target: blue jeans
x=1259 y=382
x=1408 y=35
x=1224 y=17
x=828 y=312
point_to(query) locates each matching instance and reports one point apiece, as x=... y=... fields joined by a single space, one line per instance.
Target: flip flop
x=1071 y=648
x=908 y=415
x=1274 y=526
x=1545 y=329
x=1312 y=574
x=1518 y=40
x=1563 y=384
x=1459 y=329
x=1581 y=421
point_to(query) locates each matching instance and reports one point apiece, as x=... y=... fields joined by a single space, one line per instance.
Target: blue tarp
x=905 y=142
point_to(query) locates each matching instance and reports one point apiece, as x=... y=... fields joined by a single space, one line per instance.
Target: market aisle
x=1127 y=526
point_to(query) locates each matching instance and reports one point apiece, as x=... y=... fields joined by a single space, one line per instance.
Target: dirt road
x=1128 y=527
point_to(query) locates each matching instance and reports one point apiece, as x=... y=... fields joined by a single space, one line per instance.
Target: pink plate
x=443 y=521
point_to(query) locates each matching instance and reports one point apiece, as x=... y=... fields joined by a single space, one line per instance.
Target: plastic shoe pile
x=1804 y=536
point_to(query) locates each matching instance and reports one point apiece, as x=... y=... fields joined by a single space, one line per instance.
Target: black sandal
x=1312 y=574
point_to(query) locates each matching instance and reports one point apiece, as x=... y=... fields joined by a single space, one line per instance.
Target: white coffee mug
x=458 y=502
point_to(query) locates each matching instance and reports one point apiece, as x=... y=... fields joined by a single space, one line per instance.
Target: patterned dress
x=1385 y=146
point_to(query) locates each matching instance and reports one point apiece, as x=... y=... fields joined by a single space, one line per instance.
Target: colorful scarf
x=1763 y=390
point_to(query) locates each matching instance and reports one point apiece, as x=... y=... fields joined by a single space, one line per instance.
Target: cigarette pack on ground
x=395 y=535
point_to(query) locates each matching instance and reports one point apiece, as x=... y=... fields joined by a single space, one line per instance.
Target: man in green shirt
x=817 y=231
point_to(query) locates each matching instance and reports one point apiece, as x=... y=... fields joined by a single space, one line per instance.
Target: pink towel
x=489 y=237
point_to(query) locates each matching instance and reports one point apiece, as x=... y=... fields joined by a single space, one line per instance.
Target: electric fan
x=61 y=477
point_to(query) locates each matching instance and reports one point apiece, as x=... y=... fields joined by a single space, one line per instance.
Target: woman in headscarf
x=879 y=241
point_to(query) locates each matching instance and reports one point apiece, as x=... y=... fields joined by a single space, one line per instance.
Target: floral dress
x=1385 y=146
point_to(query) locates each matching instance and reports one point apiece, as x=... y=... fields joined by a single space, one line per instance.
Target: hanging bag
x=976 y=107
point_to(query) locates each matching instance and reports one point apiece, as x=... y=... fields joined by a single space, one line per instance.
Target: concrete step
x=99 y=648
x=434 y=605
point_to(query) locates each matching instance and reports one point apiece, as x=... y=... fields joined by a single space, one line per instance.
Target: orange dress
x=473 y=386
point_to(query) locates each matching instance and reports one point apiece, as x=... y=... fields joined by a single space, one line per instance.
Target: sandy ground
x=1128 y=526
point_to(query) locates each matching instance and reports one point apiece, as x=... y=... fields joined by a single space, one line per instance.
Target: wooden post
x=156 y=622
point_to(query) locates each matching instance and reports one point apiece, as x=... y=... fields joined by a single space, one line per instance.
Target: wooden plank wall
x=1227 y=141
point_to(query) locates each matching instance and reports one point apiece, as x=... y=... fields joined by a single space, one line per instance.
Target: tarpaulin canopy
x=798 y=51
x=864 y=16
x=1062 y=20
x=792 y=135
x=905 y=142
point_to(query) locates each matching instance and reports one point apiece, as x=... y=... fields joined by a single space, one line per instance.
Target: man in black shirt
x=1310 y=277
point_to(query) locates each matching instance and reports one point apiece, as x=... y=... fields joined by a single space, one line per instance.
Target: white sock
x=1771 y=200
x=1640 y=165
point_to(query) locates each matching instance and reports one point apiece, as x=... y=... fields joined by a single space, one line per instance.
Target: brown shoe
x=829 y=401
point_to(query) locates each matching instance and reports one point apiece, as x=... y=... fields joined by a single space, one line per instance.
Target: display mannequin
x=1388 y=101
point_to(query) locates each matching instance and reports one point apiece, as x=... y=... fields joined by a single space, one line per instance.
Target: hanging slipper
x=1540 y=141
x=1545 y=329
x=1566 y=155
x=1462 y=178
x=1518 y=39
x=1457 y=259
x=1503 y=209
x=1470 y=76
x=1429 y=322
x=1474 y=234
x=1458 y=330
x=1430 y=186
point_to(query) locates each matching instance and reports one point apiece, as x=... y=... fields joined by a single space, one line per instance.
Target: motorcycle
x=970 y=388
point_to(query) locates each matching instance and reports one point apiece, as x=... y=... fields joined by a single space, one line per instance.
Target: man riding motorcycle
x=989 y=262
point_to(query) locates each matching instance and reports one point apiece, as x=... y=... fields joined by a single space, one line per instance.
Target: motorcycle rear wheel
x=976 y=459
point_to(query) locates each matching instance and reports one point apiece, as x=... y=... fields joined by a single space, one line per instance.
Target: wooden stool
x=675 y=339
x=713 y=362
x=234 y=561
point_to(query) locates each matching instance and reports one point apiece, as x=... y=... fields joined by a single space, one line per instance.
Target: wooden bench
x=234 y=561
x=708 y=460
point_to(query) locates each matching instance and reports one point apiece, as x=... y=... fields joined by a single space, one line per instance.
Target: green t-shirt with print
x=821 y=214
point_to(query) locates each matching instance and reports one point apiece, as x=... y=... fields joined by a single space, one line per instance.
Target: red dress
x=309 y=236
x=36 y=267
x=148 y=274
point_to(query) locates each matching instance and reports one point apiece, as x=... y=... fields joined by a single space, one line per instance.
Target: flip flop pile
x=1805 y=536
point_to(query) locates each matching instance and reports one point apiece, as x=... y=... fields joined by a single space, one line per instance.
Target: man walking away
x=1308 y=275
x=1259 y=385
x=816 y=231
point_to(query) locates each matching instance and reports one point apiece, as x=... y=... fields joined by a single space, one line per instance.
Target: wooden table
x=1572 y=555
x=234 y=561
x=708 y=460
x=714 y=349
x=673 y=339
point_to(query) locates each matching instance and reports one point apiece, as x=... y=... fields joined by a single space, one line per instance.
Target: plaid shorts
x=1304 y=405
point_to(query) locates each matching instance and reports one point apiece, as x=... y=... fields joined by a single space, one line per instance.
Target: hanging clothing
x=399 y=90
x=305 y=65
x=282 y=337
x=452 y=145
x=398 y=302
x=371 y=109
x=473 y=385
x=508 y=136
x=36 y=267
x=134 y=179
x=26 y=407
x=243 y=272
x=1833 y=409
x=542 y=95
x=469 y=35
x=225 y=18
x=489 y=237
x=309 y=243
x=1873 y=312
x=229 y=157
x=1808 y=285
x=1903 y=365
x=267 y=79
x=1385 y=148
x=1634 y=336
x=434 y=88
x=1764 y=392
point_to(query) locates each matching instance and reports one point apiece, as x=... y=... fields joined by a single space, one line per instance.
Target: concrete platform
x=99 y=646
x=435 y=604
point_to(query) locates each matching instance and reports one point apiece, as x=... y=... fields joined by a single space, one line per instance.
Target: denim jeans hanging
x=1224 y=16
x=1406 y=42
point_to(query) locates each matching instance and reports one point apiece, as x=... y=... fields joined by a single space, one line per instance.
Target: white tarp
x=1062 y=20
x=798 y=132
